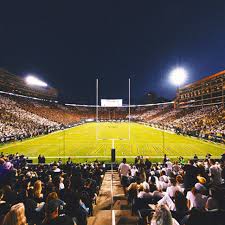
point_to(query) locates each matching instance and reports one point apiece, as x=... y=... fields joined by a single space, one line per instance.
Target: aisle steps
x=102 y=211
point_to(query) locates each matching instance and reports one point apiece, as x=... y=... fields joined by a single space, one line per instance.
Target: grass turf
x=80 y=142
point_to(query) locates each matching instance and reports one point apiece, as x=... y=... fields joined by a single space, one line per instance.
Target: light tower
x=34 y=81
x=177 y=77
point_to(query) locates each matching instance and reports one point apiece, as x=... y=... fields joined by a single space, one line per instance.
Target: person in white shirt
x=176 y=167
x=133 y=170
x=166 y=200
x=145 y=193
x=179 y=204
x=196 y=198
x=169 y=164
x=61 y=184
x=215 y=172
x=163 y=181
x=124 y=170
x=171 y=190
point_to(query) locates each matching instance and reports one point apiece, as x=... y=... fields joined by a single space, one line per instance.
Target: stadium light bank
x=178 y=76
x=34 y=81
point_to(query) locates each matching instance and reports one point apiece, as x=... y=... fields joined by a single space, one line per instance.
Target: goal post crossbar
x=123 y=106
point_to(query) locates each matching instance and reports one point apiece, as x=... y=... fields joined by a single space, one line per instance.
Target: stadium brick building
x=207 y=91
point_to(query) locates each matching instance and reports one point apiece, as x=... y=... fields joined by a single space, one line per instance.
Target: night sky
x=69 y=44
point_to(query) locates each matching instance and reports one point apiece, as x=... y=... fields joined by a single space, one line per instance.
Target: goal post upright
x=129 y=108
x=97 y=106
x=96 y=109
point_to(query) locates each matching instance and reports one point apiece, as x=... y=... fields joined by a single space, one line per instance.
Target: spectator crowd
x=47 y=194
x=175 y=193
x=160 y=193
x=17 y=123
x=206 y=123
x=23 y=118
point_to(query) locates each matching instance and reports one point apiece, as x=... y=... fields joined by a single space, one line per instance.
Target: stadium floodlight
x=32 y=80
x=178 y=76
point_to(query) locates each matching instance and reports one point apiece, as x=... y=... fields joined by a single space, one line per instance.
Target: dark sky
x=70 y=43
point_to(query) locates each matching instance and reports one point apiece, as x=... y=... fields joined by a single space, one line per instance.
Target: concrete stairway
x=108 y=208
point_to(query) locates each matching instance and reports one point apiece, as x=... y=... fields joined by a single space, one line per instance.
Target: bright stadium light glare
x=178 y=76
x=31 y=80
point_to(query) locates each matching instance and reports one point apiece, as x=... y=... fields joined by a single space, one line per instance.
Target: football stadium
x=112 y=114
x=86 y=132
x=40 y=134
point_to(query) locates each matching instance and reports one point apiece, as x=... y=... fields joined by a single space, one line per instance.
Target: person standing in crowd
x=223 y=157
x=165 y=159
x=148 y=164
x=196 y=197
x=215 y=173
x=171 y=190
x=124 y=170
x=39 y=159
x=190 y=176
x=195 y=158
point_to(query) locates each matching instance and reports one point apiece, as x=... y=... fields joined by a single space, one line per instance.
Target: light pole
x=177 y=77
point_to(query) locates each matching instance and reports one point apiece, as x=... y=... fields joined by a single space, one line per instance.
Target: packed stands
x=23 y=117
x=17 y=123
x=54 y=111
x=170 y=192
x=176 y=192
x=26 y=117
x=34 y=192
x=207 y=122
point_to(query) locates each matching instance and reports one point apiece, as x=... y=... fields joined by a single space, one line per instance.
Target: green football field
x=94 y=140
